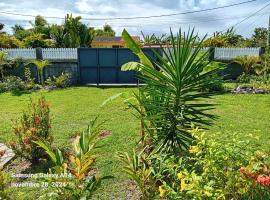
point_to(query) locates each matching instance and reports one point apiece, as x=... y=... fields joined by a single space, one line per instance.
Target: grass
x=73 y=108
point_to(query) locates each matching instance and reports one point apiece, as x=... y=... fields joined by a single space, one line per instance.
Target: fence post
x=262 y=51
x=39 y=55
x=211 y=53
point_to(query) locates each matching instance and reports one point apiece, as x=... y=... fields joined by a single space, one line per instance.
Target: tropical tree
x=57 y=34
x=19 y=32
x=72 y=33
x=106 y=31
x=259 y=37
x=37 y=40
x=40 y=65
x=174 y=83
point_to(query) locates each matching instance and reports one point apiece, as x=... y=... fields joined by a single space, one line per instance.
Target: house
x=111 y=41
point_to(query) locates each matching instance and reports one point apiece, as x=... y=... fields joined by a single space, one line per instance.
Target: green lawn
x=73 y=108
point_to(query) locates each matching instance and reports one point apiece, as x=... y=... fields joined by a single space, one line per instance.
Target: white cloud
x=221 y=18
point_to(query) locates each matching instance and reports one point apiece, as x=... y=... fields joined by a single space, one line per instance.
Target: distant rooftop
x=112 y=38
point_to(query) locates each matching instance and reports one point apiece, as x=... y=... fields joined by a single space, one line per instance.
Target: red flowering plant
x=257 y=173
x=34 y=124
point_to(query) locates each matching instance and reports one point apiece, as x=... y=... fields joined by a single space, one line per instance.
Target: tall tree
x=259 y=37
x=19 y=32
x=106 y=31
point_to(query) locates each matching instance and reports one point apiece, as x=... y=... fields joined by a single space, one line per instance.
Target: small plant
x=62 y=81
x=4 y=184
x=11 y=83
x=35 y=124
x=83 y=181
x=40 y=65
x=136 y=167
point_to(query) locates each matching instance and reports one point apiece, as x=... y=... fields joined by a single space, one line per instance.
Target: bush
x=7 y=41
x=79 y=162
x=61 y=81
x=214 y=169
x=11 y=83
x=4 y=184
x=35 y=124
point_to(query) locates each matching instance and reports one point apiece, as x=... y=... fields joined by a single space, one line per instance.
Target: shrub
x=248 y=63
x=11 y=83
x=37 y=40
x=7 y=41
x=214 y=169
x=4 y=184
x=35 y=124
x=79 y=162
x=61 y=81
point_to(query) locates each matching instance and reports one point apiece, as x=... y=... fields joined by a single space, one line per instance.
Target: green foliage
x=72 y=33
x=211 y=170
x=136 y=167
x=106 y=31
x=166 y=103
x=155 y=40
x=134 y=47
x=4 y=184
x=62 y=81
x=40 y=64
x=19 y=32
x=37 y=40
x=3 y=63
x=248 y=63
x=11 y=83
x=229 y=38
x=259 y=37
x=79 y=163
x=7 y=41
x=35 y=124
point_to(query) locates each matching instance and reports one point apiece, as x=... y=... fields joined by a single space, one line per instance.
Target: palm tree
x=174 y=83
x=40 y=65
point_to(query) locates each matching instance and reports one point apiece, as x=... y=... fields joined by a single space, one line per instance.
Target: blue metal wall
x=103 y=65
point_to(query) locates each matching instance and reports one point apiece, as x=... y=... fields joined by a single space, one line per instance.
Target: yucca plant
x=169 y=102
x=40 y=65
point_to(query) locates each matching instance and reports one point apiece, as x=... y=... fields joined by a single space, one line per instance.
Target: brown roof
x=112 y=38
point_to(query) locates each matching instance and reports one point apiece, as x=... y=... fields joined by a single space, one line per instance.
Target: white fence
x=230 y=53
x=59 y=53
x=71 y=53
x=20 y=53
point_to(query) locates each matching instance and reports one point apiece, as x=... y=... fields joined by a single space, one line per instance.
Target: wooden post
x=39 y=55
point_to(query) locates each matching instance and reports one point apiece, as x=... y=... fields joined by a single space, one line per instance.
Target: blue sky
x=205 y=22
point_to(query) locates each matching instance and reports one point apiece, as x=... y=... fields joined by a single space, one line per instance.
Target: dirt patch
x=104 y=134
x=2 y=153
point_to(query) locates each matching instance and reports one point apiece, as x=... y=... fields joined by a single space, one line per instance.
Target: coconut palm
x=40 y=65
x=174 y=83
